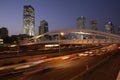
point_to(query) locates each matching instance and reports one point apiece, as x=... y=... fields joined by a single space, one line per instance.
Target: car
x=91 y=54
x=65 y=57
x=86 y=52
x=74 y=56
x=82 y=54
x=34 y=70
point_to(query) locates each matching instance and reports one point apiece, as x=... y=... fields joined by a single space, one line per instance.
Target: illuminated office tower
x=93 y=25
x=43 y=28
x=29 y=20
x=81 y=22
x=109 y=27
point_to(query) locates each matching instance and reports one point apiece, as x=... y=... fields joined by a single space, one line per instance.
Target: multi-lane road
x=58 y=69
x=69 y=67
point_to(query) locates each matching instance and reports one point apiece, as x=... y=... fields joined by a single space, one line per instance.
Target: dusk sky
x=60 y=14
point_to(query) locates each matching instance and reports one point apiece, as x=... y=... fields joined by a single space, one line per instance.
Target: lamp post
x=60 y=34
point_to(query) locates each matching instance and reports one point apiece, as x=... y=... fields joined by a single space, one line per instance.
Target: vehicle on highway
x=65 y=57
x=90 y=53
x=82 y=54
x=74 y=56
x=28 y=70
x=86 y=52
x=34 y=70
x=36 y=59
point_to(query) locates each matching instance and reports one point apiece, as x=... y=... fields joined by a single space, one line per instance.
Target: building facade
x=81 y=22
x=29 y=20
x=43 y=28
x=119 y=30
x=109 y=27
x=93 y=25
x=3 y=32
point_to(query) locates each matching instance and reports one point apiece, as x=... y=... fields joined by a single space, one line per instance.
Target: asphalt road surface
x=59 y=69
x=107 y=71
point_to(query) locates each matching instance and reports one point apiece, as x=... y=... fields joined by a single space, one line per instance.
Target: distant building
x=29 y=20
x=81 y=22
x=23 y=36
x=93 y=25
x=43 y=28
x=3 y=32
x=1 y=41
x=119 y=30
x=109 y=27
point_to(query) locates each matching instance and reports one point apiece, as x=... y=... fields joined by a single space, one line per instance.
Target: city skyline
x=59 y=14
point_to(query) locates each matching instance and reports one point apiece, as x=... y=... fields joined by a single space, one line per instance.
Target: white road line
x=118 y=77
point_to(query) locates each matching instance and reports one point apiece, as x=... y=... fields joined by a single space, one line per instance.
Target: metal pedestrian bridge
x=73 y=36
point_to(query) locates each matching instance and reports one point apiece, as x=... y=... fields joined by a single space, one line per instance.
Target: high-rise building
x=81 y=22
x=3 y=32
x=109 y=27
x=29 y=20
x=93 y=25
x=43 y=28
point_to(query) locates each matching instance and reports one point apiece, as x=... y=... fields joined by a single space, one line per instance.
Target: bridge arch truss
x=73 y=36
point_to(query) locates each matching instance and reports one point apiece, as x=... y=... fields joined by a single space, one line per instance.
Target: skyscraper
x=81 y=22
x=93 y=25
x=29 y=20
x=43 y=28
x=109 y=27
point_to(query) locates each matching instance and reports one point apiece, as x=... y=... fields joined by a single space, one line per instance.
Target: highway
x=68 y=67
x=58 y=69
x=11 y=54
x=108 y=71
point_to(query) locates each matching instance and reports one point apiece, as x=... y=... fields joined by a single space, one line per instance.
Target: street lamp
x=60 y=34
